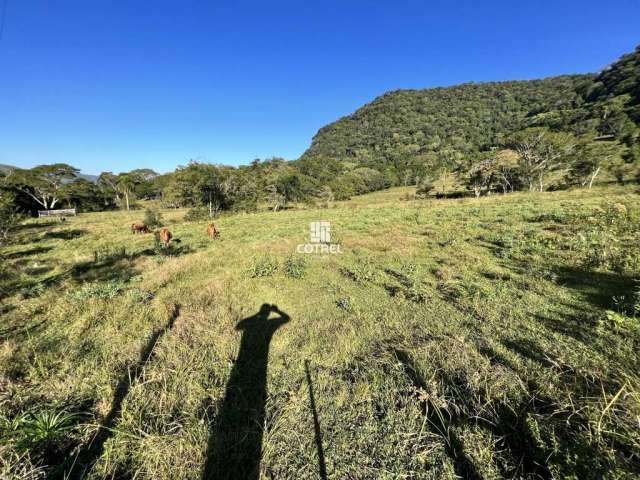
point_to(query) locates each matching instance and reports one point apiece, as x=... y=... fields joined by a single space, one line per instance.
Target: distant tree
x=43 y=183
x=198 y=184
x=506 y=170
x=83 y=195
x=107 y=182
x=540 y=152
x=9 y=215
x=481 y=174
x=275 y=199
x=424 y=188
x=446 y=182
x=325 y=195
x=125 y=185
x=590 y=158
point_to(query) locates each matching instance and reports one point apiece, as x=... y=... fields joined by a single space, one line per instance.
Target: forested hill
x=451 y=121
x=406 y=135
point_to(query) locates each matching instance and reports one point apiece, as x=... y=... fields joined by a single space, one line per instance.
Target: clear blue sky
x=117 y=85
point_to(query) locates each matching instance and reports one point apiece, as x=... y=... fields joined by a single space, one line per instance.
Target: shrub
x=46 y=426
x=608 y=239
x=294 y=266
x=107 y=253
x=152 y=218
x=363 y=271
x=197 y=214
x=344 y=304
x=137 y=295
x=263 y=267
x=104 y=291
x=424 y=189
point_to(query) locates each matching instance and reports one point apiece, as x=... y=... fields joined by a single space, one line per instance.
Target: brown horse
x=139 y=228
x=211 y=231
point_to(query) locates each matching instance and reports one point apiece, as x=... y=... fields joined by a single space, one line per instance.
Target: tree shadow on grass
x=559 y=431
x=26 y=253
x=441 y=422
x=596 y=288
x=65 y=234
x=81 y=464
x=509 y=427
x=235 y=444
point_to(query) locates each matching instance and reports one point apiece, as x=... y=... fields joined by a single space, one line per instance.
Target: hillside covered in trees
x=408 y=135
x=468 y=139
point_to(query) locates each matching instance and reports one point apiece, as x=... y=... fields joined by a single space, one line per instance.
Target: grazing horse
x=211 y=231
x=139 y=228
x=165 y=236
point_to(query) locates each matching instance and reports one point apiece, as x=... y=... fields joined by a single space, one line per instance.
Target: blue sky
x=116 y=85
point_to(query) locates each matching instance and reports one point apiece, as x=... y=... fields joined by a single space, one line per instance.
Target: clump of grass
x=152 y=218
x=452 y=289
x=32 y=290
x=264 y=266
x=103 y=291
x=44 y=427
x=363 y=270
x=19 y=466
x=344 y=303
x=608 y=239
x=294 y=266
x=197 y=214
x=138 y=295
x=109 y=253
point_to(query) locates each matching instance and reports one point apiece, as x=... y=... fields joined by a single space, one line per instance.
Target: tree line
x=472 y=138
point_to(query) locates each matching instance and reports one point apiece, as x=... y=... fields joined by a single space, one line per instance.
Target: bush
x=104 y=291
x=424 y=189
x=197 y=214
x=263 y=267
x=609 y=240
x=9 y=218
x=294 y=266
x=152 y=218
x=109 y=253
x=137 y=295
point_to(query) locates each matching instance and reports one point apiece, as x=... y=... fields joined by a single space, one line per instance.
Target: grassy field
x=476 y=338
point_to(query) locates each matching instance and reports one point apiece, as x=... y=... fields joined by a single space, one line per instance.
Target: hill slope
x=412 y=133
x=461 y=119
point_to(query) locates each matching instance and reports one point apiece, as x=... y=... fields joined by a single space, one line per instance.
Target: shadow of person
x=235 y=441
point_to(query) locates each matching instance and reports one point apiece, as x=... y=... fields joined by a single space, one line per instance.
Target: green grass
x=480 y=338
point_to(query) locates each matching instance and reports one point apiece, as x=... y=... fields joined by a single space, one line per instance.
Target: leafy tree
x=481 y=174
x=9 y=216
x=125 y=185
x=591 y=157
x=506 y=170
x=446 y=182
x=540 y=152
x=275 y=199
x=84 y=195
x=198 y=184
x=43 y=183
x=424 y=188
x=107 y=182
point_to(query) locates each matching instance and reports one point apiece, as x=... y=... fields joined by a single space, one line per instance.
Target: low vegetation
x=489 y=338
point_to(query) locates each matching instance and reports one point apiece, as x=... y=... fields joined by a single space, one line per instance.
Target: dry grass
x=490 y=338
